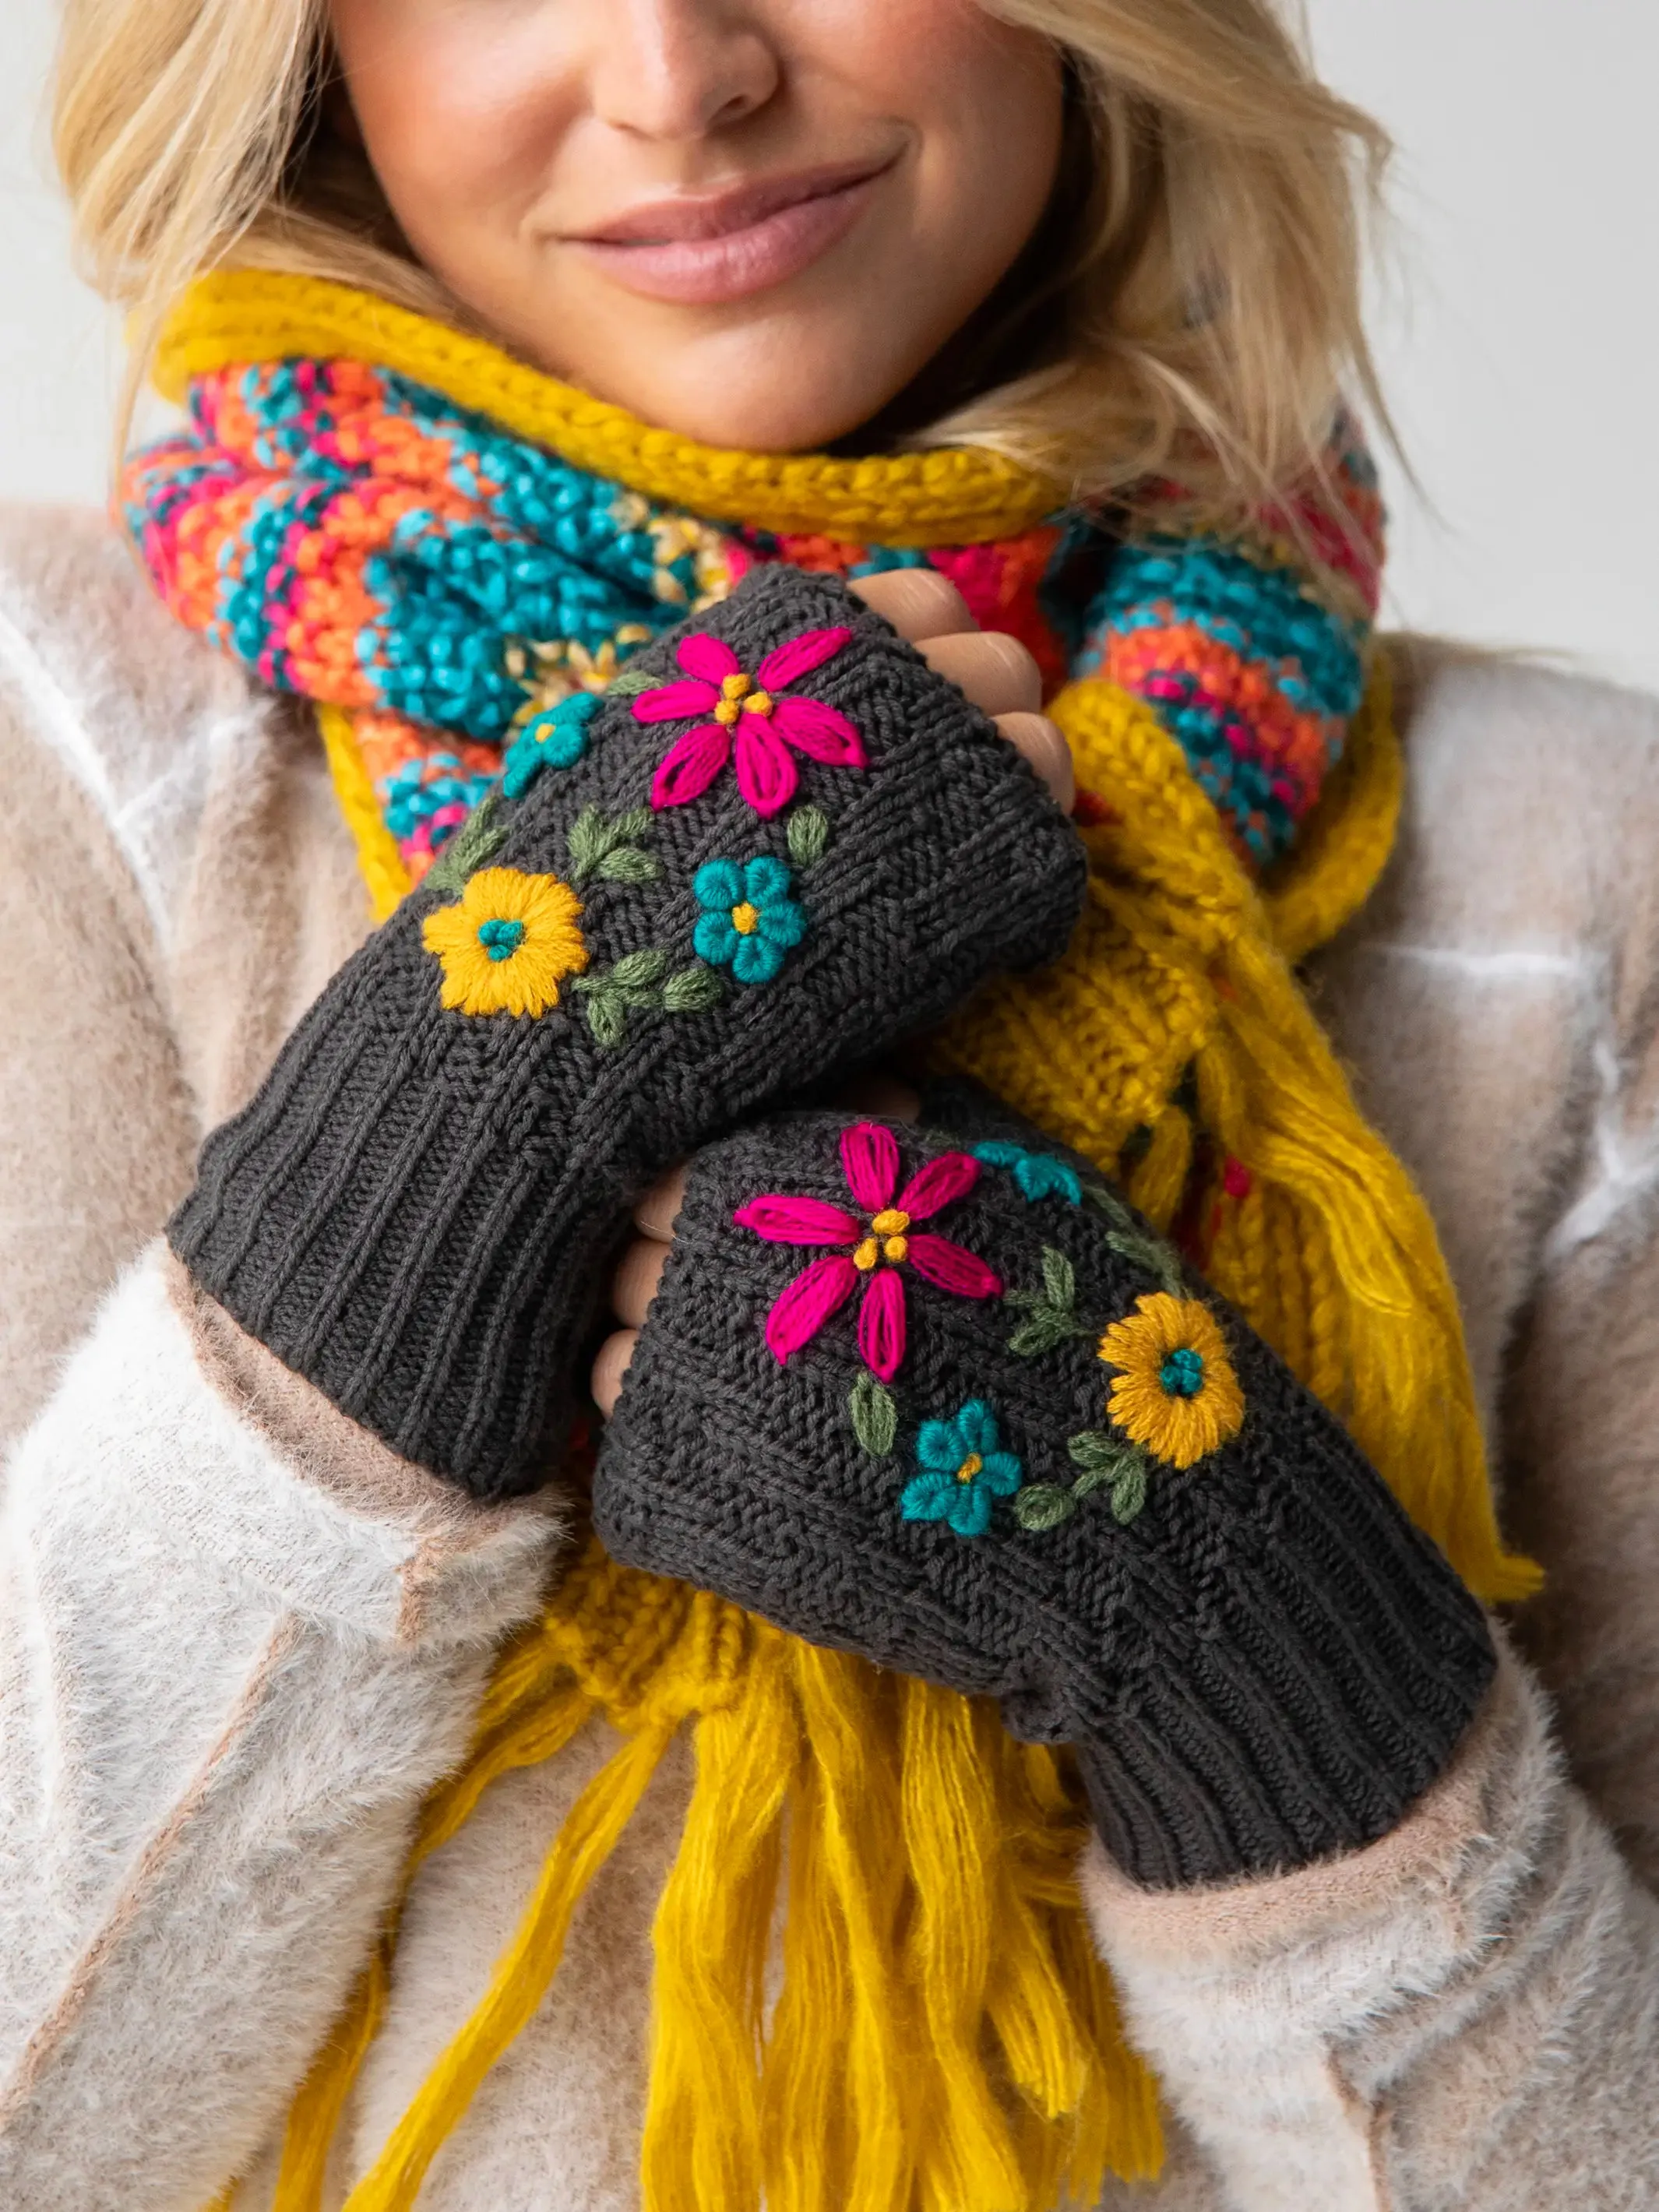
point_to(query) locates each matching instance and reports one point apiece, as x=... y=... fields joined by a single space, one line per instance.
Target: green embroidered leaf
x=874 y=1416
x=1058 y=1279
x=1113 y=1463
x=636 y=971
x=1095 y=1450
x=809 y=836
x=607 y=1017
x=1108 y=1202
x=1129 y=1493
x=693 y=991
x=628 y=864
x=1042 y=1505
x=588 y=840
x=630 y=684
x=628 y=829
x=477 y=841
x=1045 y=1329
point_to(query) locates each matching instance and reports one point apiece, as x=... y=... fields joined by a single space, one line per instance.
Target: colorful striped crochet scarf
x=373 y=537
x=447 y=552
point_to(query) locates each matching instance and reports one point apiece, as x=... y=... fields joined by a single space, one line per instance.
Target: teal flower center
x=501 y=939
x=1182 y=1372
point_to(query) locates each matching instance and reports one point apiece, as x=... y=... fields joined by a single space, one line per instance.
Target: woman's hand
x=1000 y=676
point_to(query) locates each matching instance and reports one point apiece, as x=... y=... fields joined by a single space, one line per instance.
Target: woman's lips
x=705 y=254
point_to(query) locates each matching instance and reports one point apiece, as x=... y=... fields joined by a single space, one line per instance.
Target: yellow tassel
x=521 y=1978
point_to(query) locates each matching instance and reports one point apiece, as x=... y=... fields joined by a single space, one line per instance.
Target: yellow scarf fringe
x=942 y=2037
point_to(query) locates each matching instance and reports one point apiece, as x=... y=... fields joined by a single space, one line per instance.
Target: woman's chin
x=788 y=387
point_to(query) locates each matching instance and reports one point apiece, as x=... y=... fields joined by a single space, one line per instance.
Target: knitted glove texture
x=1082 y=1486
x=781 y=846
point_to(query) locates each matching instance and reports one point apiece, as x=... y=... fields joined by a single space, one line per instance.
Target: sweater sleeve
x=1251 y=647
x=1465 y=2013
x=239 y=1641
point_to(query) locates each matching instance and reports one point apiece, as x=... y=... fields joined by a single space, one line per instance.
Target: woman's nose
x=681 y=69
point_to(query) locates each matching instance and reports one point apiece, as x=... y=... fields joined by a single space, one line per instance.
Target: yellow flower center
x=887 y=1239
x=745 y=919
x=759 y=703
x=733 y=690
x=970 y=1467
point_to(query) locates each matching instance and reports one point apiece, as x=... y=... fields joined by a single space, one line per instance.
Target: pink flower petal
x=691 y=764
x=950 y=1268
x=799 y=657
x=801 y=1310
x=766 y=774
x=951 y=1175
x=881 y=1324
x=673 y=702
x=699 y=654
x=782 y=1220
x=819 y=732
x=870 y=1161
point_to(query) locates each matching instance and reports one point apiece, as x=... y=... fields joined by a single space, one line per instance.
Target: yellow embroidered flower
x=508 y=944
x=1175 y=1391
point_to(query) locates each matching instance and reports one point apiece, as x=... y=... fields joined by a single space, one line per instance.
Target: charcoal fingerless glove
x=779 y=845
x=944 y=1401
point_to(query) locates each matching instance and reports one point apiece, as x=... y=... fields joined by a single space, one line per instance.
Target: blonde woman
x=714 y=547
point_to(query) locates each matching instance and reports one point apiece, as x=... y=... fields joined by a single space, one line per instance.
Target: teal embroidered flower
x=963 y=1467
x=750 y=923
x=1036 y=1174
x=557 y=738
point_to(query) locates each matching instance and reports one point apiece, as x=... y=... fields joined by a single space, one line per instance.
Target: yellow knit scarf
x=875 y=1988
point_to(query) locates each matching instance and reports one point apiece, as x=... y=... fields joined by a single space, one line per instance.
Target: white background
x=1516 y=316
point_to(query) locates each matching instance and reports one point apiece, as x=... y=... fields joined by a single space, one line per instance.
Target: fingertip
x=655 y=1214
x=919 y=603
x=1043 y=744
x=636 y=1282
x=615 y=1355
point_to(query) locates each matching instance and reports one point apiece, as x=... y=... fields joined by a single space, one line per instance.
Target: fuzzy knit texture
x=416 y=1211
x=1257 y=1658
x=1460 y=2015
x=414 y=529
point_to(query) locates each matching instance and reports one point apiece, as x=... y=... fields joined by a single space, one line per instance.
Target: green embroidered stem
x=639 y=982
x=476 y=842
x=1051 y=1313
x=1129 y=1243
x=1106 y=1462
x=611 y=850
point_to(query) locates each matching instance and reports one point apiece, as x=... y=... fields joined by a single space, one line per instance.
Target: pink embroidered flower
x=881 y=1240
x=747 y=716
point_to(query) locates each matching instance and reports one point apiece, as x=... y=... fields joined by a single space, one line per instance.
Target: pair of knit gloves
x=934 y=1394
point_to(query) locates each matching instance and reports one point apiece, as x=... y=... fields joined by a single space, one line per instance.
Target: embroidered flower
x=1175 y=1391
x=881 y=1242
x=508 y=943
x=963 y=1467
x=750 y=923
x=748 y=717
x=1036 y=1174
x=555 y=738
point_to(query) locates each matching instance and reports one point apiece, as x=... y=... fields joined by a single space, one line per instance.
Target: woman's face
x=753 y=222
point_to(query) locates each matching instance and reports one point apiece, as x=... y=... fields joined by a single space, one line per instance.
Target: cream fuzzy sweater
x=239 y=1639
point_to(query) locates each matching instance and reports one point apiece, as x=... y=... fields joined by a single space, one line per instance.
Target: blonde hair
x=1198 y=318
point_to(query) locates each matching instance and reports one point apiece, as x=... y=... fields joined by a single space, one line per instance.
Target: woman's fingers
x=919 y=603
x=658 y=1211
x=994 y=669
x=636 y=1282
x=1043 y=744
x=610 y=1368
